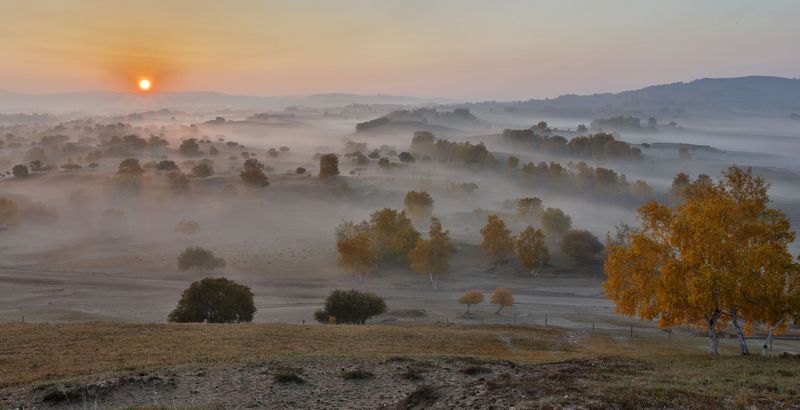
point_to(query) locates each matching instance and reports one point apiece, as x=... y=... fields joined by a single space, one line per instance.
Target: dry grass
x=30 y=353
x=620 y=370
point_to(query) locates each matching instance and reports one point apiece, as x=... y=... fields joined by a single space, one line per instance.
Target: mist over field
x=91 y=242
x=399 y=205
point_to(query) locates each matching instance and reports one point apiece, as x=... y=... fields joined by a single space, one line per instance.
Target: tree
x=203 y=170
x=431 y=257
x=356 y=254
x=253 y=173
x=497 y=241
x=555 y=222
x=328 y=165
x=351 y=306
x=215 y=300
x=199 y=258
x=20 y=171
x=419 y=205
x=512 y=162
x=531 y=249
x=190 y=147
x=392 y=235
x=406 y=158
x=718 y=257
x=529 y=208
x=471 y=297
x=130 y=166
x=166 y=165
x=9 y=212
x=581 y=246
x=502 y=297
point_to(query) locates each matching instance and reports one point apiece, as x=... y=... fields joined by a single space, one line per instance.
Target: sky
x=461 y=49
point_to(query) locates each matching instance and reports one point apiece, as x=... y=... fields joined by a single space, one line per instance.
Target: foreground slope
x=372 y=366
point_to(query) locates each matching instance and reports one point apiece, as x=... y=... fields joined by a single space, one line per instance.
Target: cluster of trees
x=501 y=297
x=582 y=178
x=719 y=256
x=599 y=146
x=390 y=238
x=531 y=246
x=425 y=145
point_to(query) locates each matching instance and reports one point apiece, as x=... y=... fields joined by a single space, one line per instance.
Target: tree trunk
x=712 y=333
x=739 y=333
x=771 y=332
x=468 y=308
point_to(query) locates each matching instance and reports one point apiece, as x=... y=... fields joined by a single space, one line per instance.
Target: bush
x=328 y=165
x=203 y=170
x=351 y=306
x=167 y=165
x=300 y=170
x=190 y=147
x=20 y=171
x=215 y=300
x=253 y=173
x=130 y=166
x=199 y=258
x=580 y=245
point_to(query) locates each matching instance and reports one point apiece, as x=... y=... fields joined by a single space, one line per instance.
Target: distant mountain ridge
x=753 y=94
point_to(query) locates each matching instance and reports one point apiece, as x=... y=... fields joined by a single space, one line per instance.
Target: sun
x=144 y=84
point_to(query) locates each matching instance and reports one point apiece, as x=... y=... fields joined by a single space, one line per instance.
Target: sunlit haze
x=455 y=49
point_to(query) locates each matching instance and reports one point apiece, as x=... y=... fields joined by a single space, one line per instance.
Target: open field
x=111 y=364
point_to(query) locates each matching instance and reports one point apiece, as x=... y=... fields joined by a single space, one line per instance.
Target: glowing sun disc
x=144 y=85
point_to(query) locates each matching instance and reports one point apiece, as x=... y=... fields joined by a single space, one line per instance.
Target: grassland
x=642 y=371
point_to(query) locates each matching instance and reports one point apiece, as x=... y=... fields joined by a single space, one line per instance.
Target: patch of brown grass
x=36 y=352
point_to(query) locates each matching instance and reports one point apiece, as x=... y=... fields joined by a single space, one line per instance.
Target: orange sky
x=447 y=48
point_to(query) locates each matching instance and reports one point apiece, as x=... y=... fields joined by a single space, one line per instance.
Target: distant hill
x=106 y=101
x=756 y=95
x=425 y=119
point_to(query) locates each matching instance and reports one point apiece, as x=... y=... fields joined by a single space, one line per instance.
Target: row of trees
x=720 y=256
x=600 y=146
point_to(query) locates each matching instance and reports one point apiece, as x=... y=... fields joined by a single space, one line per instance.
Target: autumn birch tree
x=531 y=249
x=497 y=241
x=431 y=257
x=356 y=254
x=719 y=257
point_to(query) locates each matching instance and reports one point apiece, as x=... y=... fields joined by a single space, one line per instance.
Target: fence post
x=545 y=320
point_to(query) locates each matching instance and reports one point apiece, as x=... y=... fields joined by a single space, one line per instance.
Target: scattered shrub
x=215 y=300
x=199 y=258
x=352 y=306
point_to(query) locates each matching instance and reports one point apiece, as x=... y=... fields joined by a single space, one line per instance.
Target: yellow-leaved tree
x=532 y=250
x=719 y=257
x=497 y=241
x=356 y=253
x=431 y=256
